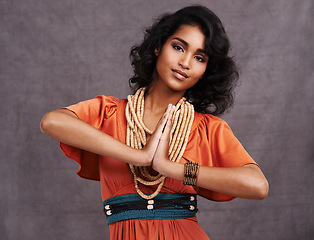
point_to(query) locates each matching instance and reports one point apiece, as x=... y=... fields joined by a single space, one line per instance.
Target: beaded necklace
x=183 y=118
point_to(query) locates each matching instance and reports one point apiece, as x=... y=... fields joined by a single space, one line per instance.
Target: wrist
x=141 y=158
x=133 y=156
x=161 y=165
x=172 y=169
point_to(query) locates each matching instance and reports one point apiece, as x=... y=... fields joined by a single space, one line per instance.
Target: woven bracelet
x=190 y=173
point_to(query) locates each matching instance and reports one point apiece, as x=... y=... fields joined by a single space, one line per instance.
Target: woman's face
x=182 y=60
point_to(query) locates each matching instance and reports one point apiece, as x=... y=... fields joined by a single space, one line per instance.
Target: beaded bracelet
x=190 y=173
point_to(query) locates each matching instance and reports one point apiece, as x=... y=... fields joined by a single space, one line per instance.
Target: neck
x=158 y=98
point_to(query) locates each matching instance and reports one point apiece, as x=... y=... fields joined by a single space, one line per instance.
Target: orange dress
x=211 y=143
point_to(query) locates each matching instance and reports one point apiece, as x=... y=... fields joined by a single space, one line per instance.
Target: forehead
x=192 y=35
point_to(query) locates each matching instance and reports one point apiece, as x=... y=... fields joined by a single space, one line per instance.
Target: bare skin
x=64 y=126
x=245 y=182
x=179 y=66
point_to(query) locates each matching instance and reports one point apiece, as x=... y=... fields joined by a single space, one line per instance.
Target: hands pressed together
x=157 y=147
x=247 y=181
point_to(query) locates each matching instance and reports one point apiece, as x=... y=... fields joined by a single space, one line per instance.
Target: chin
x=176 y=88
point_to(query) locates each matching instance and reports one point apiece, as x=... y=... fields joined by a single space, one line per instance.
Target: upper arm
x=53 y=116
x=67 y=111
x=252 y=166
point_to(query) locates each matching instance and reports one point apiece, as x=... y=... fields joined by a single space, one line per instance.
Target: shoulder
x=208 y=123
x=98 y=100
x=107 y=99
x=102 y=101
x=109 y=105
x=101 y=106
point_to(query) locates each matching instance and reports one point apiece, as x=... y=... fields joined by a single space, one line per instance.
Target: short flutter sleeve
x=97 y=112
x=212 y=143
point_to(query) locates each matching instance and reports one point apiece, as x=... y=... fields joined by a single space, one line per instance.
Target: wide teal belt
x=163 y=206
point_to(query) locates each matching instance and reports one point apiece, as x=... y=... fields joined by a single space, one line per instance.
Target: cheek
x=166 y=58
x=200 y=71
x=162 y=61
x=167 y=55
x=196 y=78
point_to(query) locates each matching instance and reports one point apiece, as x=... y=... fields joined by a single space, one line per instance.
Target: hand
x=151 y=146
x=162 y=151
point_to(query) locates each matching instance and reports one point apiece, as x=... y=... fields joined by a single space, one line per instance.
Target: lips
x=179 y=74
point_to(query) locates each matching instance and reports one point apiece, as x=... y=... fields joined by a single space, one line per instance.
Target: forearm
x=244 y=182
x=70 y=130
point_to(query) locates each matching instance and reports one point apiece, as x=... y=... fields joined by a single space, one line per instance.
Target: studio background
x=57 y=53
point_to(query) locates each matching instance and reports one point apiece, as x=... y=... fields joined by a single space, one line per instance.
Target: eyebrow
x=186 y=44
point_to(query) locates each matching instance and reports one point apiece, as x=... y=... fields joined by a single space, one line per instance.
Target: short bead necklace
x=183 y=118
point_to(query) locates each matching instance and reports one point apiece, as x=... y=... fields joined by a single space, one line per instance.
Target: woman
x=152 y=163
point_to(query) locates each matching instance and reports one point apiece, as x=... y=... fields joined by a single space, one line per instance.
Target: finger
x=162 y=122
x=168 y=126
x=163 y=145
x=169 y=119
x=164 y=115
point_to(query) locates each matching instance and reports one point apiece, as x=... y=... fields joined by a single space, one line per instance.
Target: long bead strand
x=183 y=118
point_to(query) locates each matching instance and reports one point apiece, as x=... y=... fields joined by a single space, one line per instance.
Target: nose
x=184 y=61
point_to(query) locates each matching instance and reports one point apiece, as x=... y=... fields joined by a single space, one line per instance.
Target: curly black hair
x=213 y=93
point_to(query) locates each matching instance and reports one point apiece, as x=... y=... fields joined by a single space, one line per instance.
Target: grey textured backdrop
x=55 y=53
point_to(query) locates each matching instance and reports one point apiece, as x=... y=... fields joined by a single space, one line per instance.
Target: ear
x=156 y=51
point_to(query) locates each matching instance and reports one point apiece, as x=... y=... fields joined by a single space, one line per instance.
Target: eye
x=178 y=48
x=200 y=59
